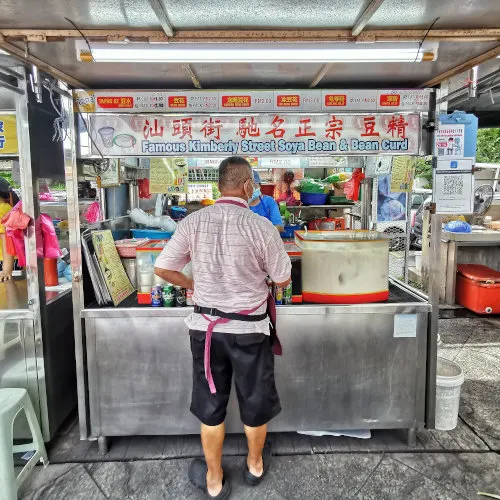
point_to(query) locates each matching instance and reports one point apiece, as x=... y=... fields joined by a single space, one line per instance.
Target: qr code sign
x=453 y=185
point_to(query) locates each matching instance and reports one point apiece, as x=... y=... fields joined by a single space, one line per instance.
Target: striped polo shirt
x=232 y=251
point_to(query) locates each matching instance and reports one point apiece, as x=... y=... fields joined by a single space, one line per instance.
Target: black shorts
x=250 y=359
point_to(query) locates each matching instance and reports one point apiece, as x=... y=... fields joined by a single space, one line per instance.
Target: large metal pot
x=344 y=267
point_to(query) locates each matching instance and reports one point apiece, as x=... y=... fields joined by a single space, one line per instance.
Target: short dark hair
x=233 y=172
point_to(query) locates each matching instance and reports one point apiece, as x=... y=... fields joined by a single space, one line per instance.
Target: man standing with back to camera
x=232 y=251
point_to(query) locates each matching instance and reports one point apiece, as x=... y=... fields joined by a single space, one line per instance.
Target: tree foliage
x=488 y=145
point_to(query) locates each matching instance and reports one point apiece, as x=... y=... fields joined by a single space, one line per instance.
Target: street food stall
x=357 y=360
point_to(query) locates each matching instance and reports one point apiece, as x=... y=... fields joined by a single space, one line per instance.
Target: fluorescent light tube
x=259 y=52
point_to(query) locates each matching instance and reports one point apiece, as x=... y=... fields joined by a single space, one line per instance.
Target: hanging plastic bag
x=17 y=239
x=93 y=213
x=16 y=219
x=144 y=193
x=351 y=187
x=50 y=243
x=9 y=245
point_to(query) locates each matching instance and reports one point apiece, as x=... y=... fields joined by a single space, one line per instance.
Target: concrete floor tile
x=456 y=331
x=142 y=480
x=61 y=482
x=465 y=473
x=394 y=480
x=321 y=476
x=480 y=397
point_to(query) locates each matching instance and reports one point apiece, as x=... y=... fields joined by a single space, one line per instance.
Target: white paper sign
x=405 y=325
x=450 y=141
x=454 y=192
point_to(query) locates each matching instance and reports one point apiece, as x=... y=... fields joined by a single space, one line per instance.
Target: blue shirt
x=269 y=209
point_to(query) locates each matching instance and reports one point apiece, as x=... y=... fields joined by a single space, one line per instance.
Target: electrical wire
x=100 y=166
x=83 y=36
x=425 y=36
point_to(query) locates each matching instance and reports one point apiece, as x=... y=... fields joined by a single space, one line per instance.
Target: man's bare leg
x=256 y=437
x=212 y=439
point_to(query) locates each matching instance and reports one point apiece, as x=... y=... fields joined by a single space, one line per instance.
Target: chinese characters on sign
x=296 y=134
x=263 y=101
x=168 y=175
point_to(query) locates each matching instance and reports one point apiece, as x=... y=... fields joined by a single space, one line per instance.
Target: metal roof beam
x=162 y=16
x=465 y=66
x=245 y=36
x=20 y=54
x=365 y=17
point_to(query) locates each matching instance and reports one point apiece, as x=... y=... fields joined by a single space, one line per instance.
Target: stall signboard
x=263 y=135
x=262 y=101
x=8 y=134
x=168 y=175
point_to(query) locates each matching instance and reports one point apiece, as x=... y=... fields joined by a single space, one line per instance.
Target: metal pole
x=76 y=264
x=34 y=275
x=366 y=203
x=434 y=273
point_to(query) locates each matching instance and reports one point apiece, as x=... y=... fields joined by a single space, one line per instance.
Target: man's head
x=236 y=178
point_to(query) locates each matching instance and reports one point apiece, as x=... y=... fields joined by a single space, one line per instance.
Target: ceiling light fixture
x=258 y=52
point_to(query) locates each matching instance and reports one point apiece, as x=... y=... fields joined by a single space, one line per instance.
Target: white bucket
x=449 y=380
x=418 y=260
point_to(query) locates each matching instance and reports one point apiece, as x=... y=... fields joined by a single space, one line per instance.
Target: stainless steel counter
x=344 y=367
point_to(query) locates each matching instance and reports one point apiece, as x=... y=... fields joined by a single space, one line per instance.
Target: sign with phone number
x=101 y=101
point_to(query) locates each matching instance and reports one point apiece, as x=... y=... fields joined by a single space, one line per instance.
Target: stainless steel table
x=342 y=368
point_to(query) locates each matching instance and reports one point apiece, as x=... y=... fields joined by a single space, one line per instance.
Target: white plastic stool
x=12 y=401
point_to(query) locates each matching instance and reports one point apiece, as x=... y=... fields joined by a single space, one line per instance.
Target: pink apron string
x=208 y=342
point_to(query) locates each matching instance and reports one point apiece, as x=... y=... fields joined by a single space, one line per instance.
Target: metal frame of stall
x=36 y=326
x=87 y=323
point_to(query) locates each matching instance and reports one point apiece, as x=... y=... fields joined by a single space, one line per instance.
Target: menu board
x=403 y=168
x=168 y=175
x=115 y=276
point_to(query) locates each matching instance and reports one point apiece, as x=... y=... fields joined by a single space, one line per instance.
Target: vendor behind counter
x=264 y=205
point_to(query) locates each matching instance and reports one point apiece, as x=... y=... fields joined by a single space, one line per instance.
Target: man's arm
x=174 y=257
x=175 y=278
x=276 y=261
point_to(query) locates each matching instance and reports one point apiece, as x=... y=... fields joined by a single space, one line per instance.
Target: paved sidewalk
x=420 y=476
x=443 y=465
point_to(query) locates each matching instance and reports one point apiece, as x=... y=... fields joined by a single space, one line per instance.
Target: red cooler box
x=478 y=288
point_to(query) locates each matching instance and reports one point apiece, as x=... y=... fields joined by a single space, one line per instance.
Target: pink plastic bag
x=17 y=238
x=351 y=187
x=46 y=238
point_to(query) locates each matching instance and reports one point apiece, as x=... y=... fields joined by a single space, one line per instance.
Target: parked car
x=417 y=224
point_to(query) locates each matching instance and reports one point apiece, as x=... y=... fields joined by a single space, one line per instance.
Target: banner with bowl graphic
x=264 y=134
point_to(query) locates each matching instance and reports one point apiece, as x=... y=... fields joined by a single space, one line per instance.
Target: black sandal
x=197 y=474
x=248 y=477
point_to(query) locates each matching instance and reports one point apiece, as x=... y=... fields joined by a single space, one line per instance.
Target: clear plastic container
x=146 y=255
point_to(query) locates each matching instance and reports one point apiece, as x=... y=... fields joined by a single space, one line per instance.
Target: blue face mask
x=255 y=195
